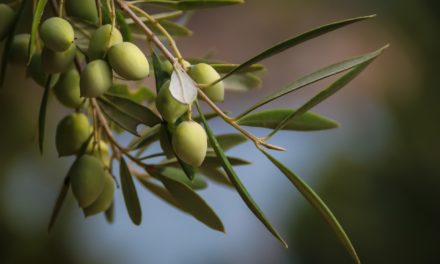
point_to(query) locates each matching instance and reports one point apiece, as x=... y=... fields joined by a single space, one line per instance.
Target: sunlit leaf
x=38 y=13
x=182 y=87
x=130 y=194
x=59 y=202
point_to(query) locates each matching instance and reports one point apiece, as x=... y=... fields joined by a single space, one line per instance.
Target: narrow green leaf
x=289 y=43
x=162 y=193
x=123 y=120
x=130 y=195
x=272 y=118
x=59 y=202
x=208 y=116
x=216 y=175
x=197 y=183
x=241 y=189
x=38 y=13
x=147 y=138
x=190 y=200
x=192 y=4
x=42 y=114
x=228 y=141
x=172 y=28
x=211 y=161
x=9 y=39
x=317 y=203
x=224 y=68
x=316 y=76
x=123 y=26
x=167 y=15
x=160 y=75
x=242 y=82
x=110 y=214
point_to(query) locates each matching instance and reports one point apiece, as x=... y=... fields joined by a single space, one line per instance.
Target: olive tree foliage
x=86 y=53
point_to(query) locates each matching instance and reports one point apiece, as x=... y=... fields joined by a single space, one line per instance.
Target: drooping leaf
x=38 y=13
x=110 y=213
x=148 y=137
x=42 y=114
x=216 y=175
x=242 y=82
x=160 y=75
x=241 y=189
x=316 y=76
x=123 y=26
x=192 y=4
x=317 y=203
x=59 y=202
x=130 y=194
x=161 y=192
x=197 y=183
x=271 y=118
x=228 y=141
x=289 y=43
x=224 y=68
x=190 y=200
x=211 y=161
x=182 y=87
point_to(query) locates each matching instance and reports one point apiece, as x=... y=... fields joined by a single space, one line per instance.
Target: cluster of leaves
x=124 y=109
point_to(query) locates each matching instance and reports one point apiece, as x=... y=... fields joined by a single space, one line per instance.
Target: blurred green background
x=379 y=172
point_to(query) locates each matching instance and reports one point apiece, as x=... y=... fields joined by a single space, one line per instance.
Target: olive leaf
x=42 y=114
x=224 y=68
x=160 y=75
x=148 y=137
x=59 y=202
x=241 y=189
x=182 y=87
x=167 y=15
x=110 y=213
x=272 y=118
x=161 y=192
x=130 y=195
x=228 y=141
x=216 y=175
x=317 y=203
x=172 y=28
x=192 y=4
x=197 y=183
x=242 y=82
x=211 y=161
x=38 y=13
x=123 y=26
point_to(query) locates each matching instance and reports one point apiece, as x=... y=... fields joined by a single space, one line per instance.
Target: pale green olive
x=203 y=73
x=58 y=62
x=190 y=143
x=82 y=9
x=6 y=19
x=104 y=200
x=128 y=61
x=67 y=89
x=169 y=108
x=18 y=52
x=87 y=178
x=72 y=132
x=96 y=79
x=57 y=34
x=102 y=40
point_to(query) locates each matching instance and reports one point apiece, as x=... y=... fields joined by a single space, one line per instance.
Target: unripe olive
x=82 y=9
x=57 y=34
x=128 y=61
x=71 y=134
x=100 y=151
x=168 y=67
x=203 y=73
x=18 y=52
x=102 y=39
x=96 y=79
x=57 y=62
x=104 y=200
x=67 y=89
x=169 y=108
x=190 y=142
x=87 y=178
x=165 y=143
x=6 y=20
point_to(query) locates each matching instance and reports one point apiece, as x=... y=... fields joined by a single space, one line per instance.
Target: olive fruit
x=102 y=39
x=165 y=143
x=203 y=73
x=57 y=62
x=87 y=178
x=6 y=20
x=104 y=200
x=168 y=67
x=190 y=142
x=100 y=151
x=67 y=89
x=57 y=34
x=18 y=52
x=72 y=132
x=128 y=61
x=96 y=79
x=169 y=108
x=82 y=9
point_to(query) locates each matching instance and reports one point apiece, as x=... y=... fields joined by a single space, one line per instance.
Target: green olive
x=71 y=134
x=67 y=89
x=102 y=40
x=128 y=61
x=168 y=106
x=104 y=200
x=168 y=67
x=18 y=52
x=190 y=143
x=203 y=73
x=57 y=62
x=100 y=151
x=82 y=9
x=165 y=143
x=87 y=178
x=57 y=34
x=6 y=19
x=96 y=79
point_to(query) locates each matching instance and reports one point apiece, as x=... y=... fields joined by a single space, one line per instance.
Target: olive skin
x=102 y=40
x=82 y=9
x=128 y=61
x=72 y=132
x=100 y=151
x=169 y=108
x=203 y=73
x=104 y=200
x=190 y=143
x=57 y=62
x=67 y=89
x=57 y=34
x=87 y=178
x=18 y=52
x=96 y=79
x=6 y=19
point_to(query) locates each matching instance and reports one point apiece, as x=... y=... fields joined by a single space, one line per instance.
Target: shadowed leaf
x=39 y=10
x=42 y=114
x=130 y=195
x=59 y=202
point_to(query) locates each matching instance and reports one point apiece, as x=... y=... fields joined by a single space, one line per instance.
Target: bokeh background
x=379 y=172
